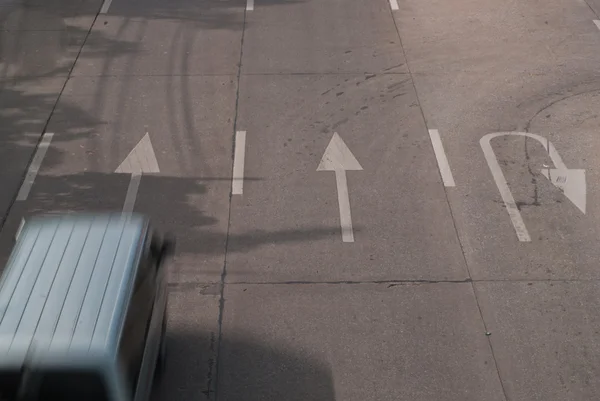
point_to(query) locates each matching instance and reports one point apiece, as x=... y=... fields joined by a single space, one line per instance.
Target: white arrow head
x=141 y=160
x=338 y=157
x=571 y=182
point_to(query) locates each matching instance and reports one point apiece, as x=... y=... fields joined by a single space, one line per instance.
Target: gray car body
x=65 y=293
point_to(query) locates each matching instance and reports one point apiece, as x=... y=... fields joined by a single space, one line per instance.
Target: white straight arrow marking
x=339 y=158
x=570 y=181
x=141 y=160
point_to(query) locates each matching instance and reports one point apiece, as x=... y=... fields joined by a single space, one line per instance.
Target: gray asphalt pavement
x=326 y=251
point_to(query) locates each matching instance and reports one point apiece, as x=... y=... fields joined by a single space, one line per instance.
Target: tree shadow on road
x=195 y=210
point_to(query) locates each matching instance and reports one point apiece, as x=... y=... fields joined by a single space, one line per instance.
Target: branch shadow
x=176 y=204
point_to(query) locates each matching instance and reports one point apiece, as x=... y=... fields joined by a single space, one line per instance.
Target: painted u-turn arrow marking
x=570 y=181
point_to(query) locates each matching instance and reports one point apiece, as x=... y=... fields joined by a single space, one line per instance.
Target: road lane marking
x=105 y=6
x=442 y=160
x=132 y=190
x=507 y=198
x=570 y=181
x=344 y=205
x=338 y=157
x=141 y=160
x=394 y=4
x=250 y=5
x=237 y=180
x=597 y=22
x=34 y=167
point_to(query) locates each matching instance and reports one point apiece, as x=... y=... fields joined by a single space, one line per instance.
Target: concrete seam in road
x=41 y=138
x=462 y=249
x=213 y=379
x=250 y=74
x=591 y=8
x=399 y=282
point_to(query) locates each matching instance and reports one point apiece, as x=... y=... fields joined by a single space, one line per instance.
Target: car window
x=9 y=384
x=59 y=385
x=72 y=386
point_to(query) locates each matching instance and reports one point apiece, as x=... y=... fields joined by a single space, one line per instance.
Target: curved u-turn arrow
x=570 y=181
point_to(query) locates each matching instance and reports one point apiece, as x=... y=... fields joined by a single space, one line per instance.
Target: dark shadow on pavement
x=249 y=370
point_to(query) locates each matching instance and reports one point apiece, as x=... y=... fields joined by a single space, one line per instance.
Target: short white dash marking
x=440 y=155
x=249 y=5
x=237 y=184
x=105 y=6
x=394 y=4
x=132 y=191
x=34 y=167
x=597 y=22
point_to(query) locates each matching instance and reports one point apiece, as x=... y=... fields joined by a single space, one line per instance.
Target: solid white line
x=507 y=198
x=105 y=6
x=597 y=22
x=440 y=155
x=250 y=5
x=344 y=203
x=132 y=191
x=34 y=167
x=394 y=4
x=237 y=184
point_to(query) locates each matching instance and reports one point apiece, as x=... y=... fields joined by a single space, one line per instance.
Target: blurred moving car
x=83 y=309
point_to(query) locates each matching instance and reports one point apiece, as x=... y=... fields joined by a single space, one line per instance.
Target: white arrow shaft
x=507 y=197
x=132 y=191
x=344 y=203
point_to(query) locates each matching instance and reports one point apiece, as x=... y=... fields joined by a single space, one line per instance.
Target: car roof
x=67 y=284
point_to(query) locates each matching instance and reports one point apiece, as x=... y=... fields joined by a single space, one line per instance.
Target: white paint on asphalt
x=394 y=4
x=105 y=6
x=34 y=167
x=237 y=179
x=442 y=160
x=339 y=158
x=249 y=5
x=132 y=190
x=597 y=22
x=507 y=198
x=570 y=181
x=141 y=160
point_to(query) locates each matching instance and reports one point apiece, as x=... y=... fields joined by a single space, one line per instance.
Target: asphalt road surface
x=374 y=199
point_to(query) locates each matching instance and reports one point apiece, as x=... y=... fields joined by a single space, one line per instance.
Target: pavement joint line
x=237 y=178
x=453 y=220
x=442 y=160
x=213 y=380
x=34 y=167
x=393 y=283
x=251 y=74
